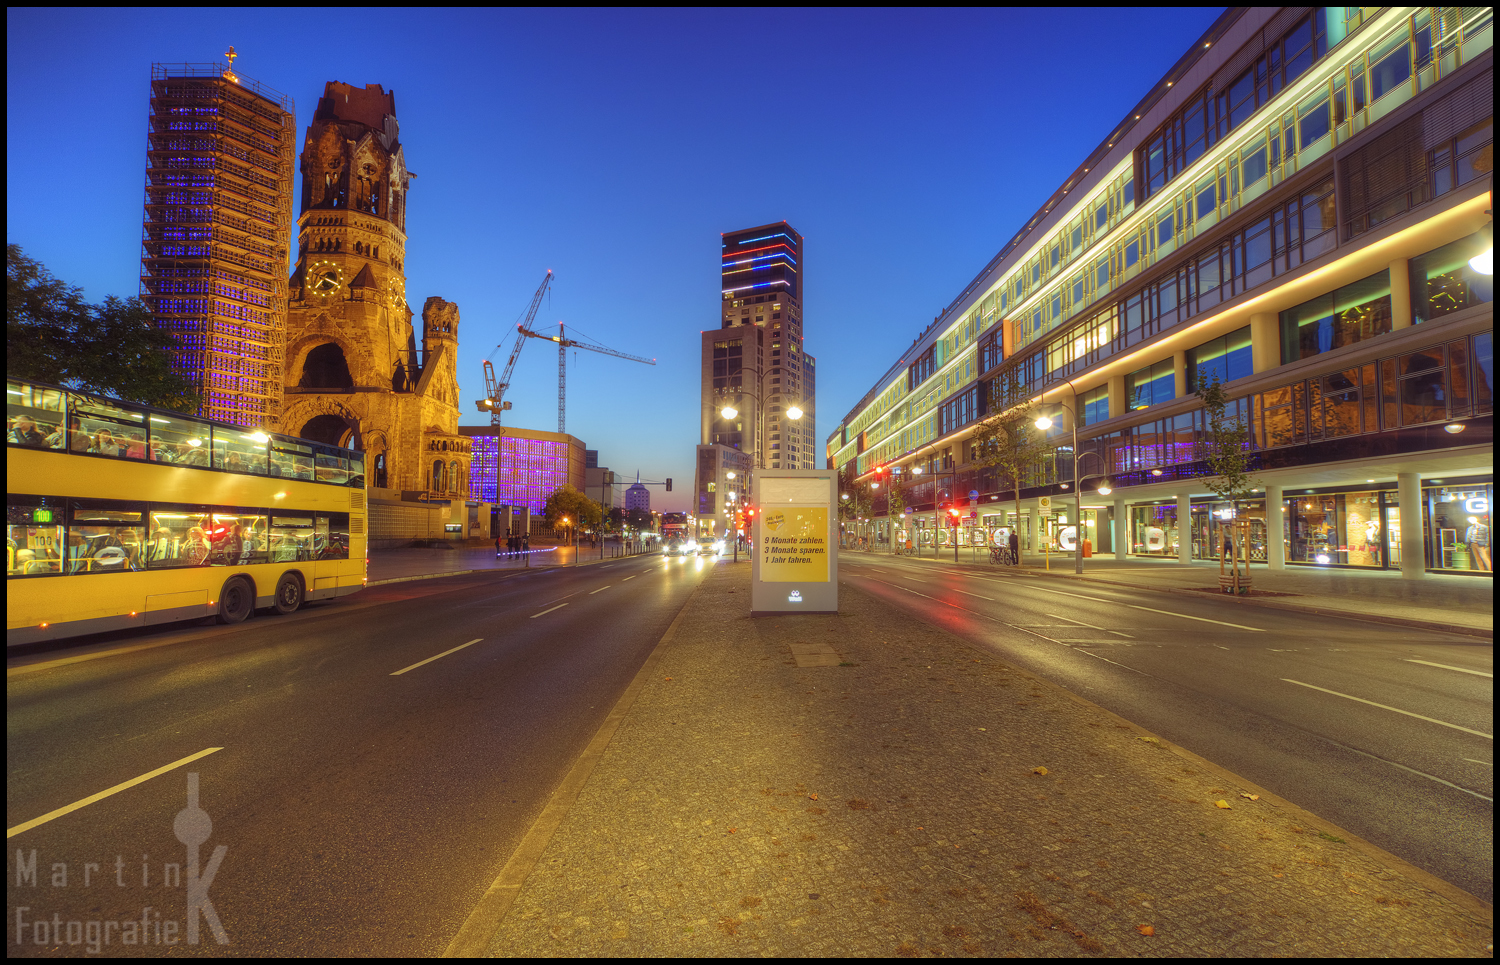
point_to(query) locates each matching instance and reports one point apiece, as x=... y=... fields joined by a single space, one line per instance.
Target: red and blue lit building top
x=761 y=261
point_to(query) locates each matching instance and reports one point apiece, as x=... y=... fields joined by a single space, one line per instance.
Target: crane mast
x=563 y=344
x=494 y=392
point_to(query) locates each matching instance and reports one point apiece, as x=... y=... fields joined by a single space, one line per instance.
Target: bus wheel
x=288 y=593
x=236 y=600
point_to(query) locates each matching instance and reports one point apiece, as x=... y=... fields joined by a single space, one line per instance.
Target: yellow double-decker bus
x=121 y=515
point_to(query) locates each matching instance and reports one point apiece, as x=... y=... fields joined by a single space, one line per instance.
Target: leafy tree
x=1008 y=439
x=1228 y=457
x=569 y=502
x=639 y=520
x=53 y=335
x=616 y=518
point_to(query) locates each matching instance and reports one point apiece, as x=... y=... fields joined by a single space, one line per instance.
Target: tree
x=1008 y=439
x=1228 y=457
x=639 y=520
x=53 y=335
x=616 y=517
x=569 y=502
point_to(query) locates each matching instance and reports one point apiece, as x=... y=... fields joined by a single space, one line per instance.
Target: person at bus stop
x=526 y=542
x=1015 y=547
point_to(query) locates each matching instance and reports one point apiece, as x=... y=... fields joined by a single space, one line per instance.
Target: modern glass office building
x=1302 y=207
x=522 y=467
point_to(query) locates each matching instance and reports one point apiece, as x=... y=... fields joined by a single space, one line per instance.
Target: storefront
x=1153 y=529
x=1458 y=527
x=1341 y=529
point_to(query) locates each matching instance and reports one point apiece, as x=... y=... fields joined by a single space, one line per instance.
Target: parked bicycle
x=1001 y=555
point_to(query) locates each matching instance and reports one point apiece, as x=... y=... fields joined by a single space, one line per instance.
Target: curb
x=1463 y=630
x=478 y=930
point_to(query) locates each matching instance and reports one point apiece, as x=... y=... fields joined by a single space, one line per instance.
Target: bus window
x=34 y=416
x=357 y=470
x=105 y=537
x=181 y=441
x=291 y=538
x=237 y=539
x=236 y=450
x=179 y=537
x=33 y=535
x=334 y=532
x=333 y=469
x=104 y=428
x=291 y=459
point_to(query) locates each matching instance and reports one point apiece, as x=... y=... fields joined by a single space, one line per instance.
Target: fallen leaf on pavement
x=1145 y=929
x=1222 y=804
x=812 y=797
x=1040 y=770
x=1253 y=797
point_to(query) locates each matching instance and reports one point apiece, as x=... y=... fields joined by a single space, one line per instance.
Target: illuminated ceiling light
x=1156 y=472
x=1454 y=427
x=1484 y=262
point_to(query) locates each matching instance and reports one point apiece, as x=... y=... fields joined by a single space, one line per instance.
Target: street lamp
x=1044 y=424
x=728 y=411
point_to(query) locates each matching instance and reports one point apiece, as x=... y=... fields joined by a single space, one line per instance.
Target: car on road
x=710 y=546
x=677 y=547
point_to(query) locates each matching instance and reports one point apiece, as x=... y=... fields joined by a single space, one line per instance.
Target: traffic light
x=953 y=514
x=669 y=484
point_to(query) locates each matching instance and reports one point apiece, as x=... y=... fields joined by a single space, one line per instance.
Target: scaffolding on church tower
x=216 y=236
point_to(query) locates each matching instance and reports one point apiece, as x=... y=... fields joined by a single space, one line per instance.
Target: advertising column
x=795 y=566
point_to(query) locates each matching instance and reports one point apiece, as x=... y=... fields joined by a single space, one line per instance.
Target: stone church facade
x=355 y=373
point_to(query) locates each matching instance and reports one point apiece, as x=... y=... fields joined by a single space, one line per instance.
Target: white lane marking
x=438 y=657
x=1186 y=617
x=1413 y=770
x=1430 y=720
x=1477 y=673
x=1091 y=626
x=601 y=589
x=1485 y=763
x=967 y=593
x=915 y=580
x=630 y=577
x=85 y=802
x=1095 y=599
x=1107 y=660
x=545 y=612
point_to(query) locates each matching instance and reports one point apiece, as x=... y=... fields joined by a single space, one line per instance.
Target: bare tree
x=1228 y=457
x=1008 y=439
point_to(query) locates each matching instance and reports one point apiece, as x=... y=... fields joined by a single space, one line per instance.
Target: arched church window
x=326 y=368
x=453 y=476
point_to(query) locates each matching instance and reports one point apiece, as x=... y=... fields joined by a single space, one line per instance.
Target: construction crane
x=493 y=401
x=563 y=344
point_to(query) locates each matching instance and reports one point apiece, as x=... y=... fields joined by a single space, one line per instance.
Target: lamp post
x=1044 y=424
x=728 y=411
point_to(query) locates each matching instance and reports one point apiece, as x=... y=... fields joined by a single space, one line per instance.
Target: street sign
x=973 y=494
x=1044 y=503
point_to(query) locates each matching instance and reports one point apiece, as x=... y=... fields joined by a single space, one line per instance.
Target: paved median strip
x=438 y=657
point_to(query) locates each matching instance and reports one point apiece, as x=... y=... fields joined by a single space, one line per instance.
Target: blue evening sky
x=614 y=147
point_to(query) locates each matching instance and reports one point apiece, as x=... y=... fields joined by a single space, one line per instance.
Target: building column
x=1122 y=529
x=1179 y=370
x=1401 y=313
x=1184 y=528
x=1117 y=403
x=1275 y=527
x=1413 y=553
x=1265 y=342
x=1024 y=526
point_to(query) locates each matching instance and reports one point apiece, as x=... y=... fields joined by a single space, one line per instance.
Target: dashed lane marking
x=1477 y=673
x=85 y=802
x=438 y=657
x=545 y=612
x=1398 y=710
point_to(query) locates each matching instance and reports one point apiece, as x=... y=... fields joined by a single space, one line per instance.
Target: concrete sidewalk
x=863 y=784
x=1463 y=604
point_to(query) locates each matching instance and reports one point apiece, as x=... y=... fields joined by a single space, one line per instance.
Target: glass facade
x=512 y=471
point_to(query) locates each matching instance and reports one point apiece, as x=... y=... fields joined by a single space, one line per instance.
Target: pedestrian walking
x=526 y=542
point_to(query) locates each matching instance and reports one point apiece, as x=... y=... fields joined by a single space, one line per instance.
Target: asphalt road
x=1386 y=731
x=379 y=758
